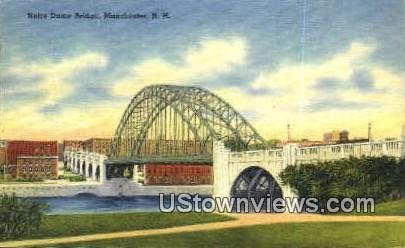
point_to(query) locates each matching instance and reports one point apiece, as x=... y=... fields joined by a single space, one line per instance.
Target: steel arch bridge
x=167 y=122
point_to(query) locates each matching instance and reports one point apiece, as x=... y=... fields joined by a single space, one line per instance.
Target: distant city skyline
x=318 y=66
x=282 y=139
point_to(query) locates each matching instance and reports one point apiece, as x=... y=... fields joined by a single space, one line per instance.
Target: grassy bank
x=70 y=225
x=19 y=181
x=391 y=208
x=368 y=234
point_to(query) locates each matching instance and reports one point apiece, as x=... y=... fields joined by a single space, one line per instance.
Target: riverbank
x=115 y=187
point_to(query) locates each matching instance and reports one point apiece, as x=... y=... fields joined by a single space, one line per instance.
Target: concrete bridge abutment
x=228 y=165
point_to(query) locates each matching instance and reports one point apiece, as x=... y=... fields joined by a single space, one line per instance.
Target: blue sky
x=267 y=40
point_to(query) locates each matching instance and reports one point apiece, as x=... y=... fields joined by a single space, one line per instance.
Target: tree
x=19 y=217
x=379 y=177
x=235 y=144
x=399 y=180
x=272 y=143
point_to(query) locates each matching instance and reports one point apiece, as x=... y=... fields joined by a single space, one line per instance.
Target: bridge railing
x=259 y=155
x=333 y=152
x=300 y=155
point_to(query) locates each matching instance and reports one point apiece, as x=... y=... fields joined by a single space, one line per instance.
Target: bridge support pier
x=403 y=141
x=93 y=176
x=135 y=173
x=138 y=175
x=81 y=165
x=86 y=167
x=103 y=168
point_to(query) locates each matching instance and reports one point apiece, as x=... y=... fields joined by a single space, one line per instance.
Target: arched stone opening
x=78 y=166
x=255 y=183
x=90 y=170
x=98 y=173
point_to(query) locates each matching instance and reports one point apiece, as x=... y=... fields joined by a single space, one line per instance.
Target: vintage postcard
x=258 y=123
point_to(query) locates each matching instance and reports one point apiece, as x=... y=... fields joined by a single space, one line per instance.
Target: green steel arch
x=178 y=121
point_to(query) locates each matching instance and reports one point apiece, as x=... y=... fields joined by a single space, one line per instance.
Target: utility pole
x=6 y=162
x=369 y=132
x=288 y=133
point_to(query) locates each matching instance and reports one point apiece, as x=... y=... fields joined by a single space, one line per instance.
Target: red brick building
x=177 y=174
x=72 y=145
x=98 y=145
x=3 y=150
x=61 y=149
x=32 y=158
x=16 y=148
x=34 y=167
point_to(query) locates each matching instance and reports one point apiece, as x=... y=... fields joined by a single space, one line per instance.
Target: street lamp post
x=4 y=173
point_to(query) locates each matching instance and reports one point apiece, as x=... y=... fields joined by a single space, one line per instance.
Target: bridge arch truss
x=167 y=120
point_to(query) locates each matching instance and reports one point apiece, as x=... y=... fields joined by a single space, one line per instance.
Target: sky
x=316 y=65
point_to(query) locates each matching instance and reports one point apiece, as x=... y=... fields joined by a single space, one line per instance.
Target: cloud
x=328 y=84
x=336 y=103
x=52 y=79
x=205 y=61
x=25 y=117
x=72 y=122
x=270 y=116
x=348 y=75
x=360 y=80
x=294 y=83
x=363 y=80
x=347 y=90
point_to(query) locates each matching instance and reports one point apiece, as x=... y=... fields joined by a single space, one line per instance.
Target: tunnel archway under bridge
x=97 y=174
x=89 y=172
x=120 y=170
x=256 y=183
